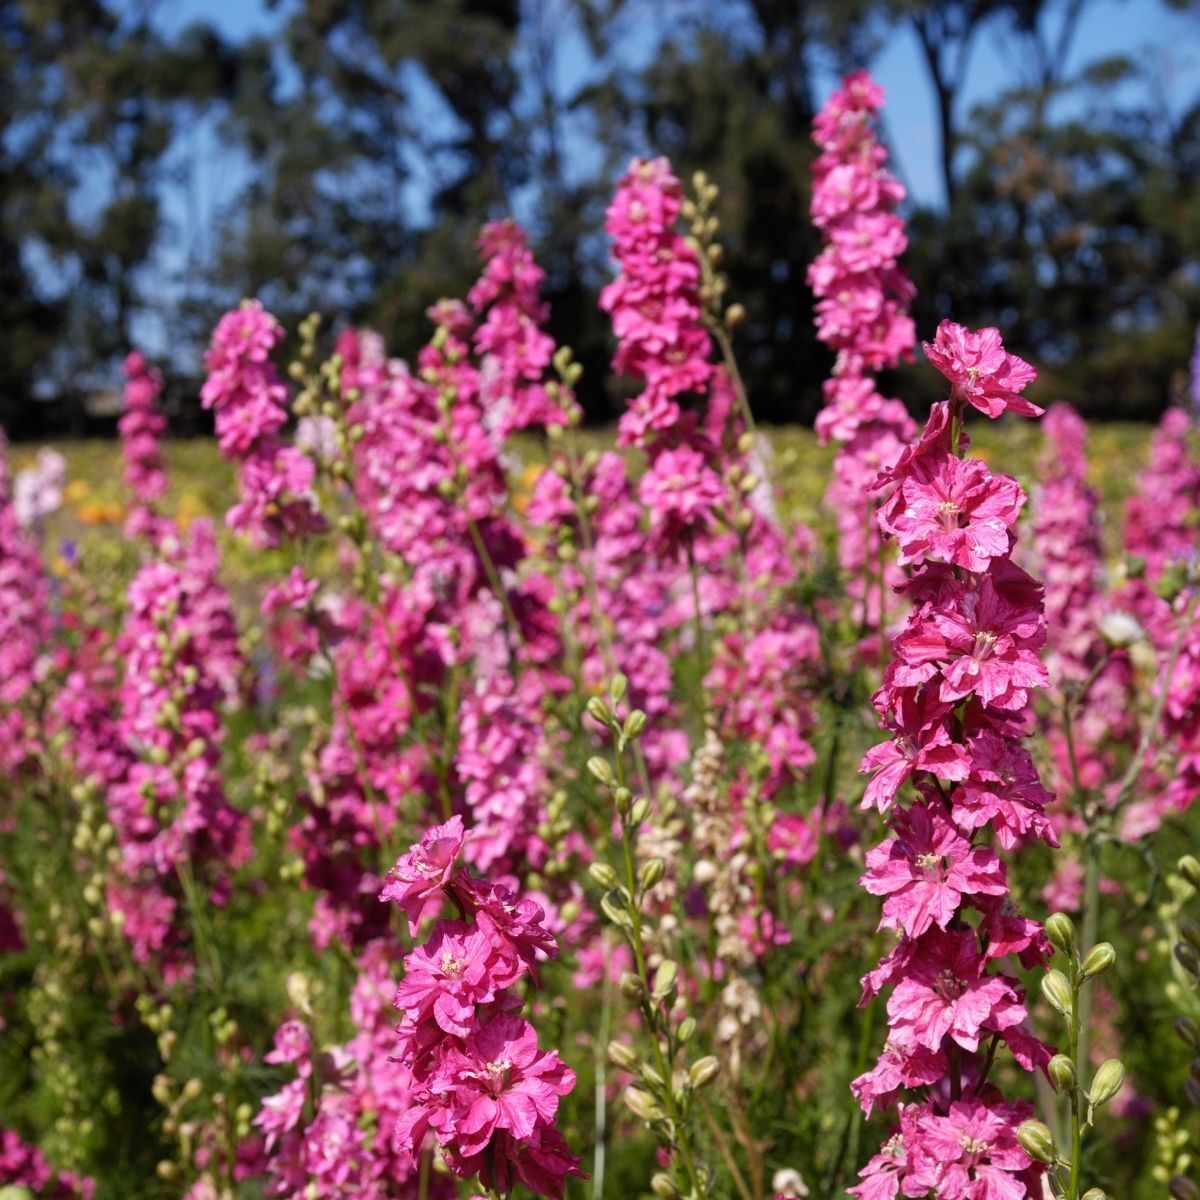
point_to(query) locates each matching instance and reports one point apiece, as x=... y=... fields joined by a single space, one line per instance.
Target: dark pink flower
x=927 y=869
x=417 y=882
x=981 y=371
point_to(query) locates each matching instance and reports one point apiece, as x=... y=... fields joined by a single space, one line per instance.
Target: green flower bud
x=1037 y=1141
x=603 y=874
x=623 y=1056
x=1057 y=990
x=640 y=811
x=663 y=1186
x=599 y=710
x=1095 y=1194
x=1062 y=1071
x=664 y=978
x=631 y=986
x=1188 y=1031
x=704 y=1071
x=687 y=1030
x=1189 y=868
x=622 y=798
x=1098 y=960
x=635 y=723
x=618 y=688
x=600 y=770
x=643 y=1105
x=1060 y=929
x=652 y=873
x=616 y=908
x=1110 y=1076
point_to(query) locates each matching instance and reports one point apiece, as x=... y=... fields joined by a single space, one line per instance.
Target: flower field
x=412 y=793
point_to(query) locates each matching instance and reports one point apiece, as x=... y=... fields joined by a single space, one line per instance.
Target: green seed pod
x=1110 y=1077
x=1060 y=929
x=1189 y=867
x=704 y=1071
x=1098 y=960
x=1037 y=1141
x=1057 y=990
x=1062 y=1071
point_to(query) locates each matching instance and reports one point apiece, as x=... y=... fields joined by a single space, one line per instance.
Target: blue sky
x=1109 y=27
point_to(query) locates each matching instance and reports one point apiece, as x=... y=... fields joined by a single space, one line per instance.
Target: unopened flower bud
x=1060 y=929
x=1098 y=960
x=623 y=1056
x=1110 y=1077
x=603 y=874
x=1037 y=1141
x=664 y=978
x=1182 y=1188
x=1057 y=990
x=735 y=314
x=598 y=710
x=663 y=1186
x=639 y=812
x=652 y=873
x=622 y=798
x=687 y=1030
x=1187 y=959
x=635 y=723
x=1095 y=1194
x=631 y=986
x=1062 y=1071
x=642 y=1104
x=601 y=770
x=1189 y=868
x=704 y=1071
x=1189 y=1031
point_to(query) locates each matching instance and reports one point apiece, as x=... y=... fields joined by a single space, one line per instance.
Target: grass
x=202 y=482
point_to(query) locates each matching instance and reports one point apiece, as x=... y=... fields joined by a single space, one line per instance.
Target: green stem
x=1076 y=1091
x=1091 y=915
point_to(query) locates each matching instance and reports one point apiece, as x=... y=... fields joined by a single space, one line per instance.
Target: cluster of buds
x=664 y=1082
x=1065 y=990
